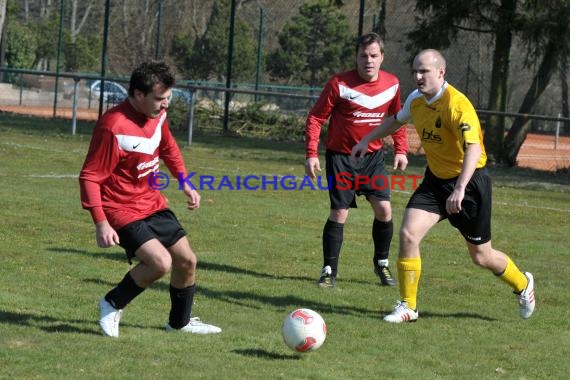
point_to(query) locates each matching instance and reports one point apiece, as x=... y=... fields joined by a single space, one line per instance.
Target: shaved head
x=432 y=57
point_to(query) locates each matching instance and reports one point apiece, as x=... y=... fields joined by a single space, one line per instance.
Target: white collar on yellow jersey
x=438 y=95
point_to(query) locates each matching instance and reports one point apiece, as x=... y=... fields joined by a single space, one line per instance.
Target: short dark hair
x=370 y=38
x=148 y=74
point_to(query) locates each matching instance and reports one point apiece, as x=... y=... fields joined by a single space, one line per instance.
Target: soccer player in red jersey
x=355 y=102
x=127 y=145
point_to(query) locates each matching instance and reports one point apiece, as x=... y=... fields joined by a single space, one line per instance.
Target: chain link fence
x=261 y=100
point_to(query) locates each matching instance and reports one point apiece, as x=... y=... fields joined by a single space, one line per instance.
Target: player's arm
x=96 y=169
x=312 y=134
x=472 y=154
x=400 y=138
x=388 y=127
x=468 y=134
x=318 y=115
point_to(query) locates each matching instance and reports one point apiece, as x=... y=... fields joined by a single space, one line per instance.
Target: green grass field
x=259 y=257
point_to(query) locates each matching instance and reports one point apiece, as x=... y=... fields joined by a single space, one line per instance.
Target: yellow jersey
x=445 y=124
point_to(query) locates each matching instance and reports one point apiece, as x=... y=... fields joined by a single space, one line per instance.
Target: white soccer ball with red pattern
x=304 y=330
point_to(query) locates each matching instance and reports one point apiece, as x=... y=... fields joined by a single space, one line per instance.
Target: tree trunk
x=495 y=125
x=564 y=84
x=3 y=23
x=518 y=131
x=2 y=17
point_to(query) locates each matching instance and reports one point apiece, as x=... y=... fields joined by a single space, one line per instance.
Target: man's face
x=428 y=74
x=368 y=61
x=154 y=102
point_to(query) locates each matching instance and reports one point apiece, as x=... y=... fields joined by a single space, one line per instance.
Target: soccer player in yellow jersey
x=456 y=185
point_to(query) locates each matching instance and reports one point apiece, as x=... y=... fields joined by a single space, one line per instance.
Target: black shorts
x=474 y=220
x=161 y=225
x=368 y=177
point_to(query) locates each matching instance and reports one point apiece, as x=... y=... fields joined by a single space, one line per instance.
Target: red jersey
x=125 y=148
x=355 y=107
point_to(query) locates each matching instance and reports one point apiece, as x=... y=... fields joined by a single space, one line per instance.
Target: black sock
x=382 y=236
x=181 y=309
x=122 y=294
x=332 y=242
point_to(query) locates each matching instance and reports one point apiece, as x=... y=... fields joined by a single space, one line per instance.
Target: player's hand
x=105 y=235
x=400 y=161
x=358 y=151
x=312 y=167
x=193 y=197
x=453 y=203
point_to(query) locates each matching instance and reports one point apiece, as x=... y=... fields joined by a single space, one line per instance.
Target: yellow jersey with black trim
x=445 y=124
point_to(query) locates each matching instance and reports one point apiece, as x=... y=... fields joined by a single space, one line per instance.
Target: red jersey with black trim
x=355 y=108
x=125 y=149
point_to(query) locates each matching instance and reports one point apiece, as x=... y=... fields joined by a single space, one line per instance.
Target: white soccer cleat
x=195 y=326
x=526 y=298
x=402 y=313
x=109 y=318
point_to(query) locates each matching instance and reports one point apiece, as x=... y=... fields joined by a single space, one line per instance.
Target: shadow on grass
x=45 y=323
x=462 y=315
x=55 y=325
x=256 y=301
x=264 y=354
x=115 y=256
x=260 y=301
x=204 y=265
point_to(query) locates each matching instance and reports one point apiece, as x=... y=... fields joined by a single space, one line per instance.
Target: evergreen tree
x=314 y=45
x=209 y=53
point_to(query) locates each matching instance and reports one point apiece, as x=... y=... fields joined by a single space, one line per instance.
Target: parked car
x=112 y=93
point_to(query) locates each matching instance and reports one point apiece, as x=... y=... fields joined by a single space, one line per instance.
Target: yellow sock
x=514 y=277
x=409 y=271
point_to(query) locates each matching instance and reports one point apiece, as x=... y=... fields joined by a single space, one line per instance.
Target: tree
x=3 y=4
x=547 y=34
x=314 y=44
x=379 y=26
x=3 y=8
x=209 y=53
x=81 y=54
x=543 y=25
x=181 y=48
x=21 y=45
x=75 y=26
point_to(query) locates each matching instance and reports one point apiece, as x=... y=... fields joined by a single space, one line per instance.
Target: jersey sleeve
x=318 y=115
x=170 y=153
x=400 y=137
x=468 y=126
x=404 y=116
x=101 y=159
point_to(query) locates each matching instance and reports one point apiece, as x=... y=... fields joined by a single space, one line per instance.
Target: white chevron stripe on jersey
x=142 y=144
x=367 y=101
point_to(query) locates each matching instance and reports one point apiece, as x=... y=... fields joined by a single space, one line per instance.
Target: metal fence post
x=74 y=106
x=191 y=115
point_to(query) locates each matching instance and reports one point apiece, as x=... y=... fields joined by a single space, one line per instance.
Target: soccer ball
x=304 y=330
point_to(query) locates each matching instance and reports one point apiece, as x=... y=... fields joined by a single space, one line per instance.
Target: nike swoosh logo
x=136 y=146
x=368 y=101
